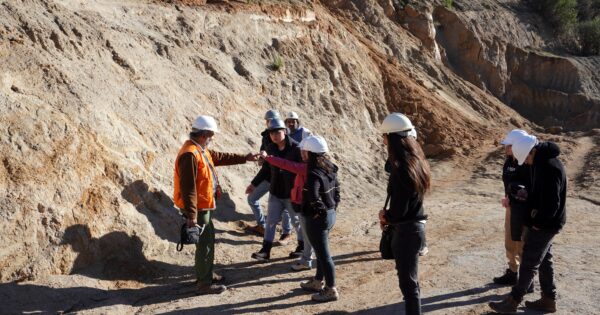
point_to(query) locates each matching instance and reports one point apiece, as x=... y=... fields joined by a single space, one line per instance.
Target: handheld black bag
x=189 y=235
x=385 y=245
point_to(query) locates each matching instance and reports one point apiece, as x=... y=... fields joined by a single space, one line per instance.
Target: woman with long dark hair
x=409 y=181
x=320 y=197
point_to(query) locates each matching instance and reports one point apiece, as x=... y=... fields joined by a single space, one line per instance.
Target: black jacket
x=405 y=205
x=321 y=191
x=281 y=180
x=513 y=173
x=266 y=140
x=264 y=143
x=549 y=189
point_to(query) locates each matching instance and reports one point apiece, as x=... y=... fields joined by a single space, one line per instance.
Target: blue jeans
x=407 y=240
x=537 y=256
x=276 y=211
x=317 y=230
x=306 y=258
x=254 y=203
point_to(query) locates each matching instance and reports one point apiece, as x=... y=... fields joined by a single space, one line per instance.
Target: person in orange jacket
x=196 y=189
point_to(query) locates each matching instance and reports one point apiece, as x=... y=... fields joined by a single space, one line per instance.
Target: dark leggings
x=318 y=234
x=407 y=240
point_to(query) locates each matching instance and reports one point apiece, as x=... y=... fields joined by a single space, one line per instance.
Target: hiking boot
x=257 y=229
x=298 y=251
x=506 y=306
x=423 y=251
x=313 y=285
x=217 y=277
x=545 y=304
x=211 y=288
x=264 y=253
x=326 y=295
x=508 y=278
x=300 y=266
x=284 y=239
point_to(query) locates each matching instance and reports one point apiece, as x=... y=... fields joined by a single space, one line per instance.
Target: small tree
x=589 y=33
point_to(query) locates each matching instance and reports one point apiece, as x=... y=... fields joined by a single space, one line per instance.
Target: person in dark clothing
x=409 y=181
x=546 y=218
x=258 y=189
x=320 y=198
x=282 y=182
x=514 y=176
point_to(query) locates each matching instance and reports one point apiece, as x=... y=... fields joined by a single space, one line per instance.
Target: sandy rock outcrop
x=505 y=58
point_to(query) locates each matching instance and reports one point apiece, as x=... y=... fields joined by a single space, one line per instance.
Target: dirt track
x=466 y=251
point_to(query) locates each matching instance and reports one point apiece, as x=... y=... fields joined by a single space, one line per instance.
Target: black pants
x=317 y=230
x=537 y=255
x=407 y=240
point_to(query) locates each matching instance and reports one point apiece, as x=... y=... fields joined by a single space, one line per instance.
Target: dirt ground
x=464 y=234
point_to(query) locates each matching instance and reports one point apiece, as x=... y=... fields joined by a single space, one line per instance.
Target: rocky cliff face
x=506 y=59
x=97 y=97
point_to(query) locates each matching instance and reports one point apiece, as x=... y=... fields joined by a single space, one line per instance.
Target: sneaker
x=313 y=285
x=326 y=295
x=300 y=266
x=261 y=256
x=423 y=251
x=211 y=288
x=506 y=306
x=546 y=304
x=284 y=239
x=508 y=278
x=264 y=253
x=257 y=229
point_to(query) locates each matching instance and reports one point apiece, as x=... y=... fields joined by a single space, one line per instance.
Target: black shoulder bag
x=385 y=245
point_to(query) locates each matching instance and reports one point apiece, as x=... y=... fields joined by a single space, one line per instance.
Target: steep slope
x=98 y=96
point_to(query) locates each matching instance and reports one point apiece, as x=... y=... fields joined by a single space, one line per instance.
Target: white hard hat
x=292 y=115
x=510 y=137
x=315 y=144
x=522 y=145
x=396 y=122
x=205 y=122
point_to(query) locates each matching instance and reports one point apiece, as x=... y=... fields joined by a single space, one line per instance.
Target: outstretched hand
x=250 y=157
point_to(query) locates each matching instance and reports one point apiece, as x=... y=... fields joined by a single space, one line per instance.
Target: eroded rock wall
x=505 y=59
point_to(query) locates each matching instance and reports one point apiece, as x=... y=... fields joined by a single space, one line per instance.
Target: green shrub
x=576 y=22
x=448 y=3
x=589 y=33
x=588 y=9
x=277 y=63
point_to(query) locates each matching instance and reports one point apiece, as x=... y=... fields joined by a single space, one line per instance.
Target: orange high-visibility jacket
x=204 y=179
